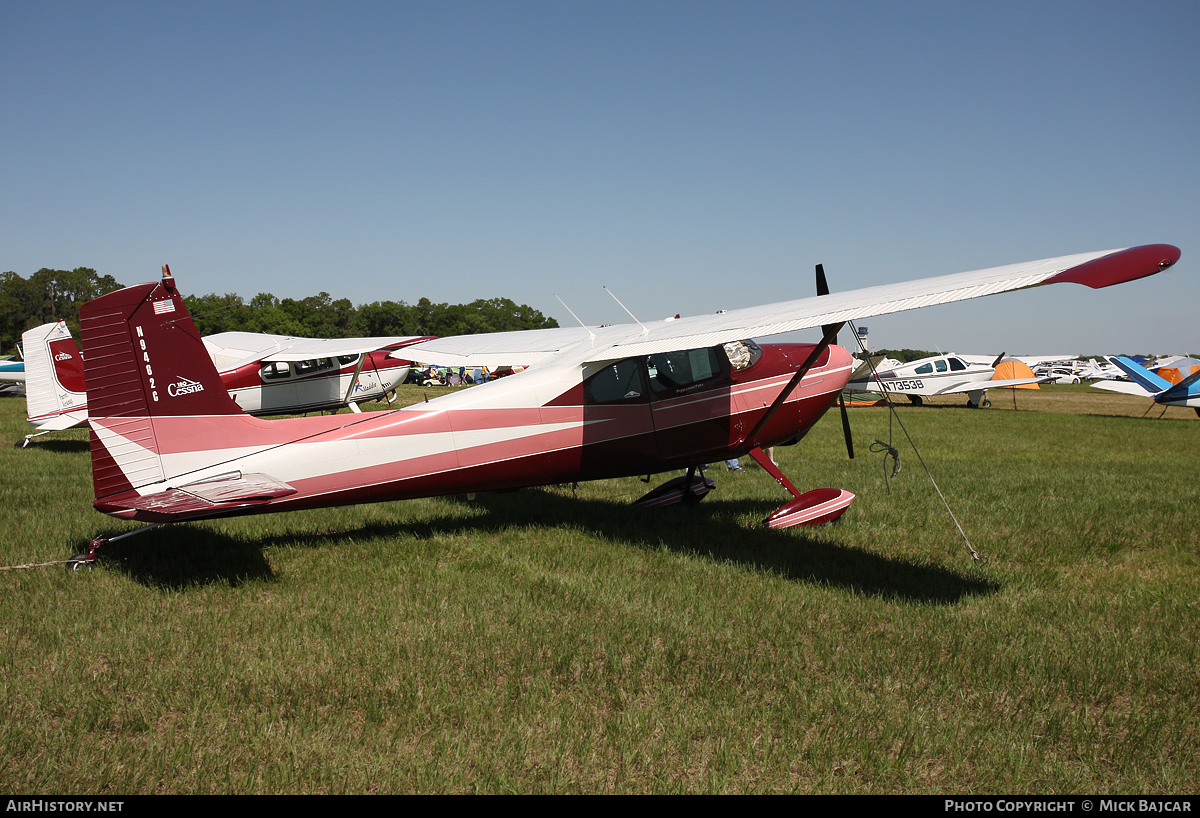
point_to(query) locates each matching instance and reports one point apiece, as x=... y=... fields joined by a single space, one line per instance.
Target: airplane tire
x=915 y=400
x=985 y=403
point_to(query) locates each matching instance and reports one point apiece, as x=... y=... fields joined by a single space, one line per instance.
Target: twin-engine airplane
x=264 y=374
x=168 y=443
x=1146 y=384
x=936 y=375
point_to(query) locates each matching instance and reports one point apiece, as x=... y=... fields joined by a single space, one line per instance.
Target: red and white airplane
x=168 y=444
x=264 y=374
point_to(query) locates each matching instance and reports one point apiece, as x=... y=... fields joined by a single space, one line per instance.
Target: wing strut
x=831 y=331
x=829 y=337
x=362 y=359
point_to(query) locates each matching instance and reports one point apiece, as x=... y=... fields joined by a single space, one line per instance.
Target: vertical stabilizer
x=143 y=359
x=1141 y=376
x=54 y=390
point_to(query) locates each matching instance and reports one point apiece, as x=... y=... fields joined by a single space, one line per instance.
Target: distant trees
x=49 y=295
x=906 y=355
x=319 y=316
x=45 y=296
x=427 y=318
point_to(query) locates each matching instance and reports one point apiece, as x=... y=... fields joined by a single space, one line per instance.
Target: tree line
x=51 y=295
x=46 y=296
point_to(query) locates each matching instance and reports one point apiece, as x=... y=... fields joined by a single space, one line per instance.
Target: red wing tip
x=1124 y=265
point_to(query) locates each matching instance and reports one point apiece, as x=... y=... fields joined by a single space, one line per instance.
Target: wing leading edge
x=1095 y=270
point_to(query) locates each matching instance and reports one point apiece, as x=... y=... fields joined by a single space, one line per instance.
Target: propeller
x=999 y=358
x=823 y=289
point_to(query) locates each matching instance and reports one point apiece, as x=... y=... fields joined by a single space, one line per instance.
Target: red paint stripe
x=1116 y=268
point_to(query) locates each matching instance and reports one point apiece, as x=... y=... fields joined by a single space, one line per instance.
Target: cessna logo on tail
x=63 y=356
x=184 y=387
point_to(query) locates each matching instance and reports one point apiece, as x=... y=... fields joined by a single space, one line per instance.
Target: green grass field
x=546 y=641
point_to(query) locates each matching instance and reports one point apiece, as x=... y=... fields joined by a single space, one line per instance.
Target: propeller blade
x=996 y=362
x=846 y=426
x=823 y=289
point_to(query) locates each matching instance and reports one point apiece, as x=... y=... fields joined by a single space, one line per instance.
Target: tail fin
x=55 y=397
x=1141 y=376
x=143 y=359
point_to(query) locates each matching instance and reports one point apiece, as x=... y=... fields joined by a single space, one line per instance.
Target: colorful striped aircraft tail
x=144 y=359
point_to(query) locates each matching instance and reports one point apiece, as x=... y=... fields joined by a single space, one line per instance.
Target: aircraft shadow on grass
x=180 y=556
x=62 y=446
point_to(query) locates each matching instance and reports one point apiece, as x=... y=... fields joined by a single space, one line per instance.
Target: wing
x=1095 y=270
x=230 y=350
x=983 y=386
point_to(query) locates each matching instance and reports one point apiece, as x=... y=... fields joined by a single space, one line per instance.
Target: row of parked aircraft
x=955 y=374
x=263 y=374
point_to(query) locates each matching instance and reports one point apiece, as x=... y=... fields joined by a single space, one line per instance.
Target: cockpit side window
x=686 y=370
x=957 y=366
x=616 y=383
x=941 y=365
x=276 y=371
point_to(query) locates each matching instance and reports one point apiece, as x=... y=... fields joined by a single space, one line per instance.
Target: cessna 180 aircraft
x=264 y=374
x=936 y=375
x=169 y=444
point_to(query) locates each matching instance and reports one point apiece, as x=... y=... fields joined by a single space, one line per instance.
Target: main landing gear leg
x=689 y=489
x=689 y=498
x=88 y=558
x=812 y=508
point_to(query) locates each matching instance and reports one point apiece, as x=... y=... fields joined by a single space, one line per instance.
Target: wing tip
x=1129 y=264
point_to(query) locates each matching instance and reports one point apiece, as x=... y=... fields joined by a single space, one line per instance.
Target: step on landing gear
x=815 y=507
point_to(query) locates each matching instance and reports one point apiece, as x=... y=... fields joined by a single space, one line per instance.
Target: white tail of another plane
x=55 y=396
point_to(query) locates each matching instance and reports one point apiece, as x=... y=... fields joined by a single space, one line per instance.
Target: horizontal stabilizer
x=233 y=490
x=1124 y=388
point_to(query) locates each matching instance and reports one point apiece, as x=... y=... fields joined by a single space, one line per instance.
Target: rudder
x=143 y=358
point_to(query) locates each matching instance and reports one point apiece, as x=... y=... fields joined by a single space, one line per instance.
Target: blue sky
x=691 y=156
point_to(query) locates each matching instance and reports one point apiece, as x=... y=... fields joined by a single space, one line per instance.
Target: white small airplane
x=937 y=375
x=168 y=444
x=264 y=374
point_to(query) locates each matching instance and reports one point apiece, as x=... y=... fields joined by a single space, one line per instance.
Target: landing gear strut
x=811 y=508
